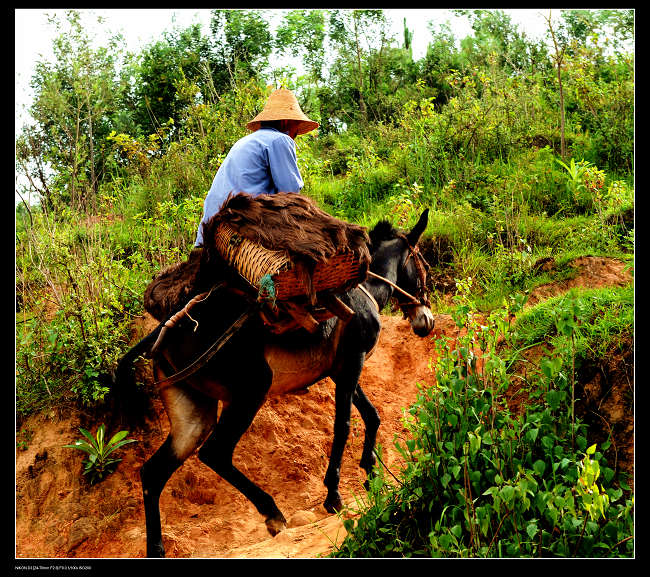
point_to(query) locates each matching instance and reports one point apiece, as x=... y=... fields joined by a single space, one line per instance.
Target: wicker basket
x=253 y=261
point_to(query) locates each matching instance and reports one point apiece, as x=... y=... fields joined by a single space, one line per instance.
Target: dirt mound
x=286 y=450
x=592 y=272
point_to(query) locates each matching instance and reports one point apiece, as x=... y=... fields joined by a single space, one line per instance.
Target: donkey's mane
x=382 y=231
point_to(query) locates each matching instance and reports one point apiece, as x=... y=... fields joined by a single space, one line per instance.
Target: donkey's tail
x=130 y=400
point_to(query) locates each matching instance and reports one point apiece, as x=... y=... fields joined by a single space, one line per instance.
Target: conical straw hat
x=283 y=105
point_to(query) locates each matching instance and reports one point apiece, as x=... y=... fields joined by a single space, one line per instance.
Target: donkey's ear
x=418 y=229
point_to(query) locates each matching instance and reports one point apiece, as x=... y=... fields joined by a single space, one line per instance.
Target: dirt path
x=286 y=451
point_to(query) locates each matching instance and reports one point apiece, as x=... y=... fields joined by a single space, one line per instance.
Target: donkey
x=255 y=363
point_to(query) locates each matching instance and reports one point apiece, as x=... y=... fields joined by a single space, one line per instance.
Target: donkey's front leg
x=346 y=382
x=154 y=474
x=371 y=421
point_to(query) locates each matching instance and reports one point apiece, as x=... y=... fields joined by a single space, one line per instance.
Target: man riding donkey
x=322 y=318
x=261 y=163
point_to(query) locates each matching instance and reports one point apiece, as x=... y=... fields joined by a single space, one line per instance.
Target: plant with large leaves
x=98 y=464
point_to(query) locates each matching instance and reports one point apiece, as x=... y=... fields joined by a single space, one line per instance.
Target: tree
x=303 y=32
x=559 y=54
x=495 y=33
x=181 y=55
x=242 y=44
x=356 y=34
x=75 y=96
x=441 y=57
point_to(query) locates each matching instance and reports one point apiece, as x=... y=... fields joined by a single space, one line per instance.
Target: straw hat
x=283 y=105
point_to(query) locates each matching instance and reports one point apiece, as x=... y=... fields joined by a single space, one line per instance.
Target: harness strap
x=395 y=287
x=420 y=266
x=213 y=350
x=185 y=311
x=367 y=293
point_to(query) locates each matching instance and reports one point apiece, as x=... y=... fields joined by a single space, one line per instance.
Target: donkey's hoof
x=333 y=504
x=156 y=551
x=276 y=524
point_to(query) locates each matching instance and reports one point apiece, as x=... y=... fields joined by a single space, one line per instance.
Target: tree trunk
x=559 y=57
x=562 y=137
x=92 y=153
x=362 y=102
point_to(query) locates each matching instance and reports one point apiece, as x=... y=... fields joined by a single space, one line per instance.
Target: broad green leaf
x=118 y=445
x=88 y=436
x=553 y=398
x=100 y=437
x=82 y=446
x=117 y=437
x=539 y=466
x=531 y=435
x=531 y=529
x=445 y=541
x=507 y=493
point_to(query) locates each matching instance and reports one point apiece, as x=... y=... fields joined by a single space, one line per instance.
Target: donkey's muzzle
x=422 y=321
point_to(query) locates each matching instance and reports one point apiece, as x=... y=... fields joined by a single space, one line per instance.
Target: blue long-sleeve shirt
x=263 y=162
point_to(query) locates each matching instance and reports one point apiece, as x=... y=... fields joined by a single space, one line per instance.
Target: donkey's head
x=409 y=269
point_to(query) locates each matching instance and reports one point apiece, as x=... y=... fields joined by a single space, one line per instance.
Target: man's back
x=263 y=162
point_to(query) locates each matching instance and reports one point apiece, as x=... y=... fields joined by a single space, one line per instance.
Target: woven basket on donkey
x=255 y=262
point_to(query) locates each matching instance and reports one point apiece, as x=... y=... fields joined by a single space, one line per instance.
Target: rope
x=407 y=295
x=367 y=293
x=175 y=318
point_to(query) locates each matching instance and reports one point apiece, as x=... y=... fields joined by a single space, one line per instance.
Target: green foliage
x=124 y=147
x=243 y=44
x=98 y=464
x=23 y=438
x=480 y=481
x=75 y=100
x=304 y=31
x=164 y=65
x=605 y=316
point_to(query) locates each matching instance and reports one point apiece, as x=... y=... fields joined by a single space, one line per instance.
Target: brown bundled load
x=283 y=245
x=173 y=287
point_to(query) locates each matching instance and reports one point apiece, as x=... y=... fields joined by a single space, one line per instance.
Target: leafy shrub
x=71 y=332
x=480 y=481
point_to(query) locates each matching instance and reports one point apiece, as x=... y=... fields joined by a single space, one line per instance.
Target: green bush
x=480 y=481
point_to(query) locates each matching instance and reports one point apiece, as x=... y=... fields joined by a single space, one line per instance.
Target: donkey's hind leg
x=371 y=421
x=217 y=453
x=191 y=418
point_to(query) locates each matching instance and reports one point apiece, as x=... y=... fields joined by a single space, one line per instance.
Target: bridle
x=421 y=265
